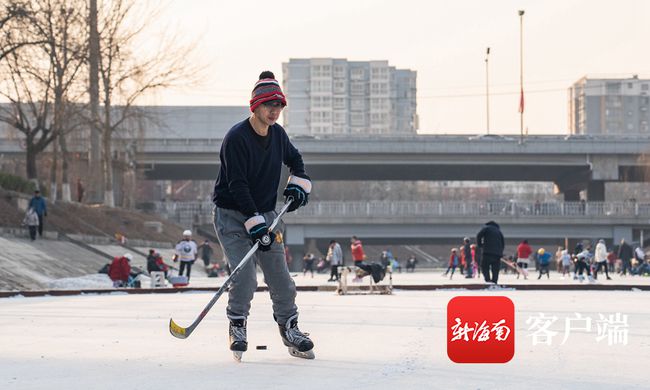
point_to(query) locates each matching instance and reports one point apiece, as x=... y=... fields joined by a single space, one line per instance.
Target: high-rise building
x=610 y=106
x=337 y=96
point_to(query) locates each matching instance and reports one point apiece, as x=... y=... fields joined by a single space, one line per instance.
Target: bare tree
x=63 y=24
x=42 y=79
x=126 y=76
x=95 y=180
x=12 y=16
x=29 y=111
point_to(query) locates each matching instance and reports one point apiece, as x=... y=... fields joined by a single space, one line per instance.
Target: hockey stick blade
x=183 y=333
x=178 y=331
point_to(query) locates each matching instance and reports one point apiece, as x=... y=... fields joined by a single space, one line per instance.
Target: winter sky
x=444 y=41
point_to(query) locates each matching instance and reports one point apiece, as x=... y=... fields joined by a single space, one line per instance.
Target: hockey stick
x=183 y=333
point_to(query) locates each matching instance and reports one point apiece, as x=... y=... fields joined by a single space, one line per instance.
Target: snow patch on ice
x=82 y=282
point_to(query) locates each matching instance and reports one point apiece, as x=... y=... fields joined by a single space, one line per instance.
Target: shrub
x=18 y=184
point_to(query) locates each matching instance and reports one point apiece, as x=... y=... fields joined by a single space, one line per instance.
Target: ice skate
x=237 y=355
x=303 y=355
x=237 y=335
x=298 y=343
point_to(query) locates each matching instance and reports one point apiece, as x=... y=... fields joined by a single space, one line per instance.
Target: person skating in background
x=396 y=266
x=544 y=259
x=576 y=251
x=558 y=259
x=252 y=154
x=31 y=221
x=389 y=258
x=461 y=264
x=206 y=253
x=186 y=253
x=625 y=253
x=411 y=263
x=523 y=257
x=491 y=242
x=639 y=255
x=566 y=263
x=476 y=254
x=467 y=256
x=40 y=207
x=308 y=264
x=611 y=260
x=454 y=261
x=322 y=265
x=600 y=256
x=335 y=257
x=582 y=265
x=356 y=246
x=383 y=259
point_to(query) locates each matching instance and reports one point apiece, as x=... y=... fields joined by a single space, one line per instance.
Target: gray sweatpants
x=235 y=242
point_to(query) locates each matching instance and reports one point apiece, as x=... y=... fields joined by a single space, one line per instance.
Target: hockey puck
x=260 y=347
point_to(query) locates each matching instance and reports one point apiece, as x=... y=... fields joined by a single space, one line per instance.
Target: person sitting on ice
x=411 y=263
x=120 y=270
x=155 y=263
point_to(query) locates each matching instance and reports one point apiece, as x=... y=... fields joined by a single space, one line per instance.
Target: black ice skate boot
x=237 y=333
x=299 y=344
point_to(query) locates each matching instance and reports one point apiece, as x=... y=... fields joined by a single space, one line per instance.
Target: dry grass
x=92 y=220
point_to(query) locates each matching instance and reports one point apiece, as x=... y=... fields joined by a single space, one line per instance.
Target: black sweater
x=250 y=174
x=490 y=239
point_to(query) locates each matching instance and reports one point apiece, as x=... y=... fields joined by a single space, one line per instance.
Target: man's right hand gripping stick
x=259 y=232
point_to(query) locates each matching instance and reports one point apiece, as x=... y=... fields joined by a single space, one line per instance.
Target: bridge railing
x=470 y=209
x=188 y=213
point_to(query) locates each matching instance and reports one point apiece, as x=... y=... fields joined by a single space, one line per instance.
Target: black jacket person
x=490 y=240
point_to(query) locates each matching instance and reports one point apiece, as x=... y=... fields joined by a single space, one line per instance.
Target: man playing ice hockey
x=252 y=154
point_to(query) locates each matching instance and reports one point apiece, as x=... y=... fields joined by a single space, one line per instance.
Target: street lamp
x=487 y=89
x=521 y=75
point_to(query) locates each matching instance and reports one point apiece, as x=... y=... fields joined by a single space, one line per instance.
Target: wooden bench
x=385 y=287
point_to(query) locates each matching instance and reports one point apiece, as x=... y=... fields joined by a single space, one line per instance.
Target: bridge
x=573 y=164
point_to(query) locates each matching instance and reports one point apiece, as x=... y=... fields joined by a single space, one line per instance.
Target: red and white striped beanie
x=266 y=89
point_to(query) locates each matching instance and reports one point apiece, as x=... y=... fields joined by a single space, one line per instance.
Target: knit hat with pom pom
x=266 y=89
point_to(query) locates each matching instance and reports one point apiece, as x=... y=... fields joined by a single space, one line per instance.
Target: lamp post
x=521 y=75
x=487 y=90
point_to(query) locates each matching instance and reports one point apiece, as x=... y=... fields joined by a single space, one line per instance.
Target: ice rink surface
x=121 y=341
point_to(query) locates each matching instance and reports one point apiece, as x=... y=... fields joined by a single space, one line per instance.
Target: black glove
x=259 y=232
x=298 y=189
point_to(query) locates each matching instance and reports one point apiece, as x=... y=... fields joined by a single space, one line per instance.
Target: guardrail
x=189 y=213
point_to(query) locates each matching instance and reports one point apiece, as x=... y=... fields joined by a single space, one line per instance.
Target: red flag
x=521 y=101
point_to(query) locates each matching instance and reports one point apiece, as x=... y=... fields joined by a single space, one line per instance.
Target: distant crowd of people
x=585 y=262
x=334 y=259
